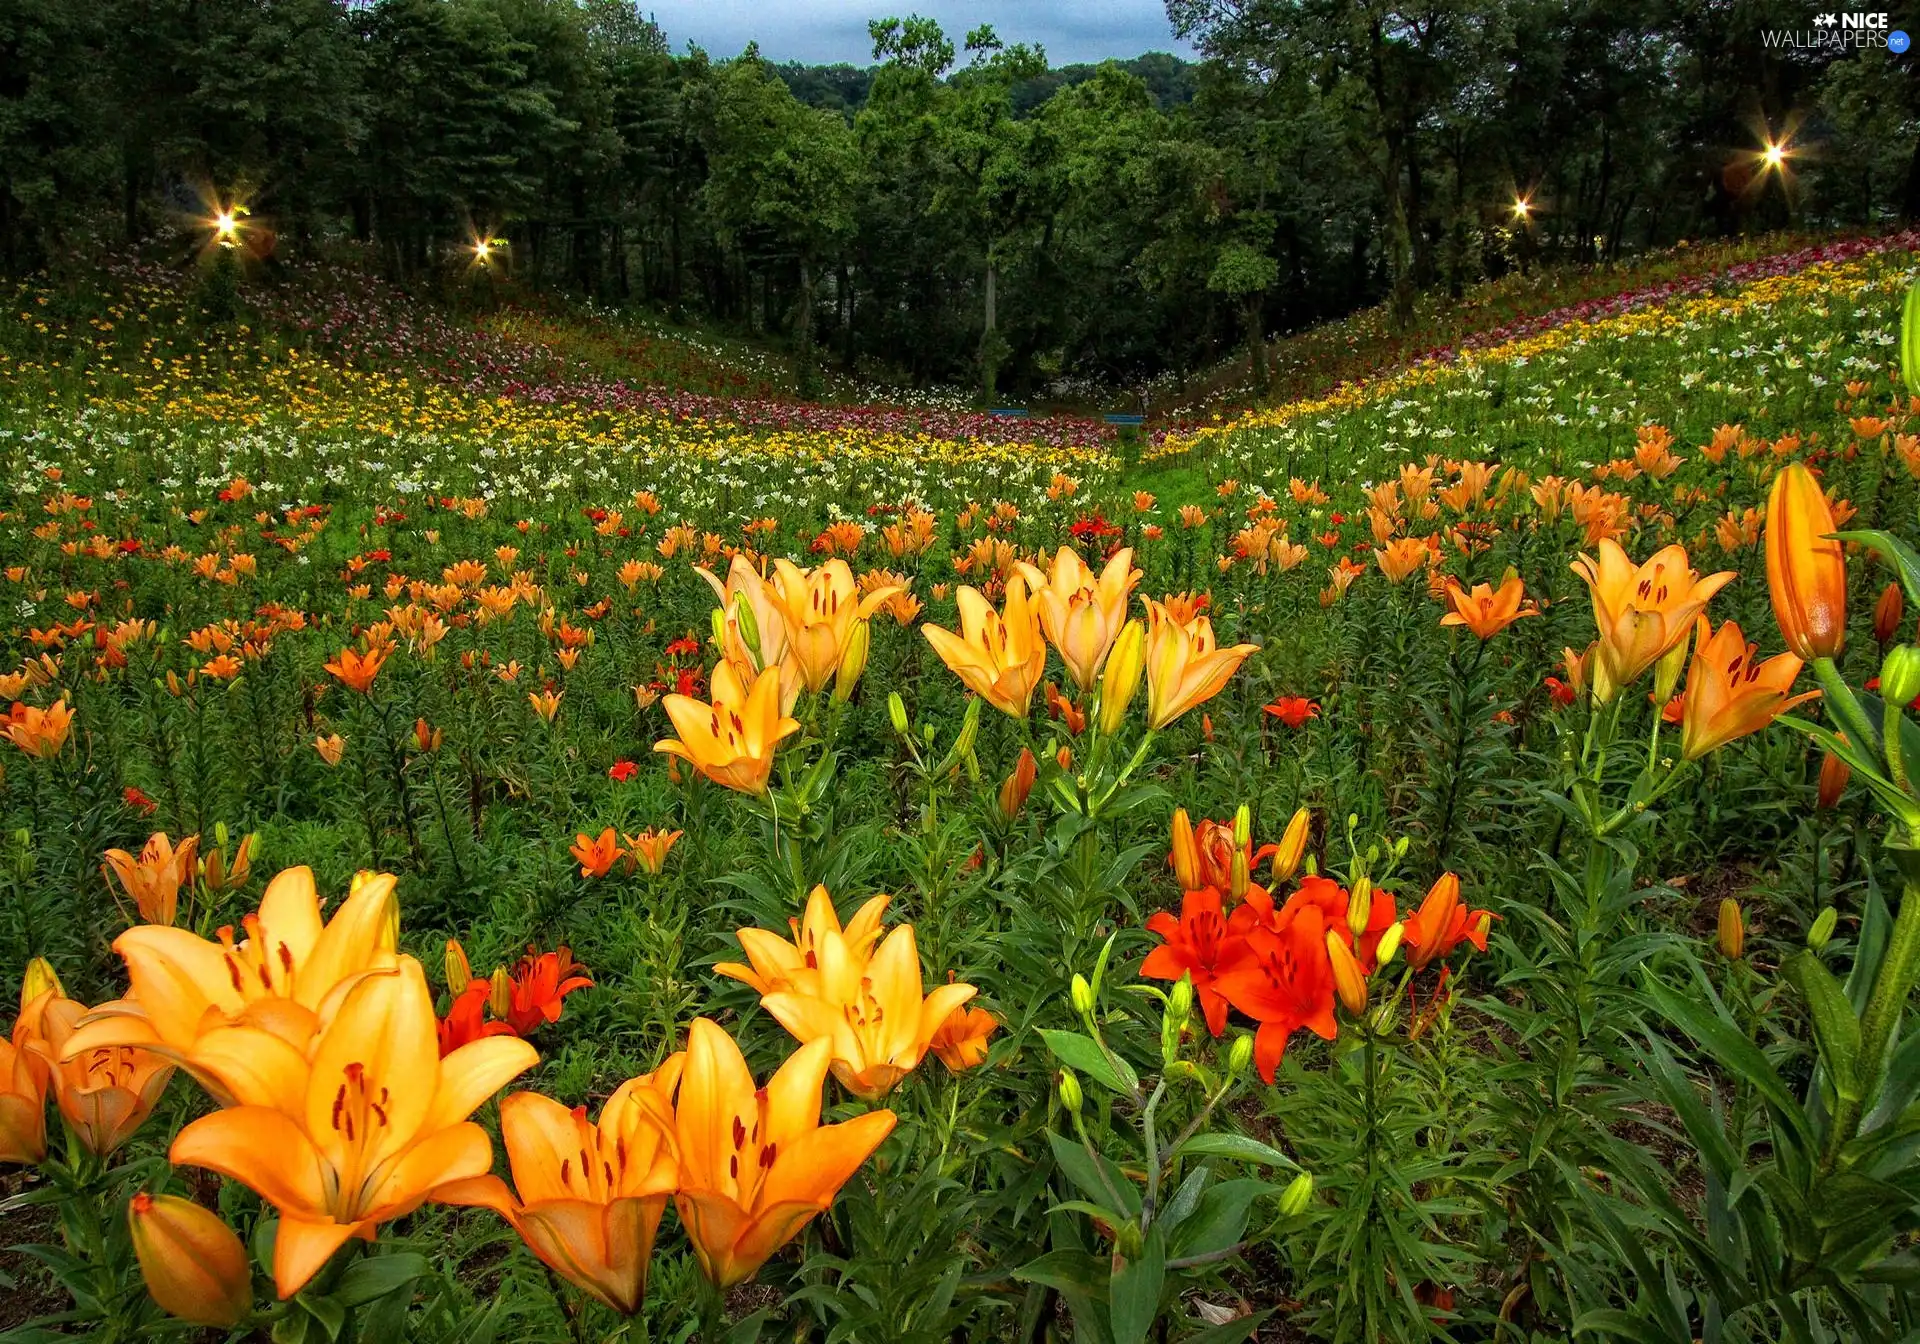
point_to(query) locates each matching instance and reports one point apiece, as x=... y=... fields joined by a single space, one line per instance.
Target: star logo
x=1825 y=20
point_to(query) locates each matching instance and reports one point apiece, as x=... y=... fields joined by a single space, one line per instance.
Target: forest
x=959 y=213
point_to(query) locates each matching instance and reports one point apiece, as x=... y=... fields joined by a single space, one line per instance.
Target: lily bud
x=1081 y=995
x=500 y=996
x=1186 y=857
x=1666 y=672
x=1298 y=1194
x=1016 y=787
x=425 y=736
x=1900 y=674
x=1806 y=569
x=897 y=712
x=749 y=626
x=1348 y=983
x=1240 y=875
x=459 y=970
x=1360 y=906
x=719 y=623
x=969 y=728
x=1243 y=826
x=1822 y=931
x=194 y=1265
x=1293 y=846
x=40 y=977
x=1834 y=774
x=1070 y=1094
x=1887 y=613
x=220 y=835
x=1239 y=1055
x=1180 y=1002
x=853 y=661
x=1122 y=678
x=1732 y=937
x=1389 y=943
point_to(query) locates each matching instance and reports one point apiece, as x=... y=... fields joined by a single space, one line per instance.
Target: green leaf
x=1135 y=1289
x=1067 y=1271
x=1239 y=1147
x=1836 y=1031
x=747 y=1331
x=1084 y=1055
x=1889 y=547
x=1220 y=1221
x=1910 y=338
x=327 y=1311
x=1086 y=1171
x=376 y=1276
x=1733 y=1051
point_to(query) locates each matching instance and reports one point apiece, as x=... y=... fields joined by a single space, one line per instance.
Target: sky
x=827 y=32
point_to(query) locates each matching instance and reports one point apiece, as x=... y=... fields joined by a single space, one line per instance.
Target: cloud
x=831 y=31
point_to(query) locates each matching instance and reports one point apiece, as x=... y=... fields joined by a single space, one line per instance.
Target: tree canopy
x=959 y=211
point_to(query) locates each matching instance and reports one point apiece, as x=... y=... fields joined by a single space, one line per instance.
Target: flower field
x=520 y=829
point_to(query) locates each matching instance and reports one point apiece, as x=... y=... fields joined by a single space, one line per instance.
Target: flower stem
x=1889 y=998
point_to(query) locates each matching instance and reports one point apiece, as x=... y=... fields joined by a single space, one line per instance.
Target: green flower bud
x=897 y=712
x=1822 y=930
x=1070 y=1094
x=1180 y=1002
x=1082 y=995
x=1243 y=826
x=969 y=727
x=749 y=627
x=1900 y=674
x=220 y=834
x=1239 y=1055
x=1298 y=1194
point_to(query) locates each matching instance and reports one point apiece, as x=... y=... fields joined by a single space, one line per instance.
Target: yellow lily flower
x=1082 y=615
x=821 y=608
x=756 y=1164
x=731 y=741
x=285 y=976
x=1641 y=611
x=871 y=1010
x=1184 y=667
x=356 y=1129
x=1001 y=658
x=590 y=1196
x=153 y=880
x=777 y=964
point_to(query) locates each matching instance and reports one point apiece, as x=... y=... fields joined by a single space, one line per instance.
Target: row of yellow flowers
x=1833 y=281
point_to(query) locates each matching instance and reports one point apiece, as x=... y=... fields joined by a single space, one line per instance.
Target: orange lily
x=999 y=657
x=1483 y=611
x=355 y=670
x=781 y=965
x=105 y=1093
x=1641 y=611
x=540 y=981
x=23 y=1072
x=732 y=740
x=1441 y=922
x=192 y=1262
x=650 y=847
x=285 y=976
x=1184 y=668
x=1082 y=614
x=871 y=1009
x=1399 y=558
x=589 y=1196
x=40 y=732
x=358 y=1128
x=821 y=608
x=961 y=1041
x=1806 y=571
x=756 y=1164
x=596 y=857
x=154 y=879
x=1731 y=694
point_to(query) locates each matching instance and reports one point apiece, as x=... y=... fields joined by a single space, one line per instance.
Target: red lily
x=540 y=981
x=465 y=1021
x=1199 y=945
x=1284 y=982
